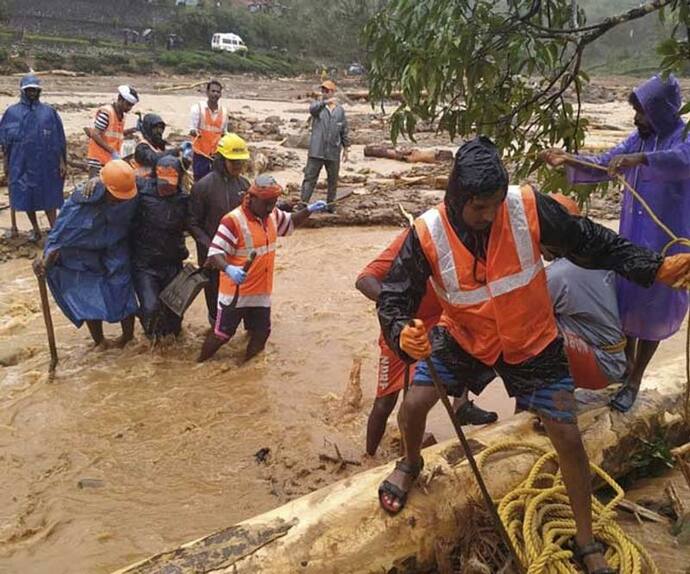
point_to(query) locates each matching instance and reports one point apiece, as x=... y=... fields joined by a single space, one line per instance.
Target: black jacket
x=157 y=235
x=579 y=239
x=212 y=197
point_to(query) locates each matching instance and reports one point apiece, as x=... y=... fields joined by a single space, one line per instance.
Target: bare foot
x=120 y=342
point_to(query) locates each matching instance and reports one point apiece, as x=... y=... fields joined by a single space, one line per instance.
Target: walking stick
x=441 y=390
x=45 y=306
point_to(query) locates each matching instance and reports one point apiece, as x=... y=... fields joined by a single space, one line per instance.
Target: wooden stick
x=641 y=511
x=45 y=306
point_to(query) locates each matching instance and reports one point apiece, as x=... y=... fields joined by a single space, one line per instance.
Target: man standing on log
x=391 y=373
x=655 y=160
x=481 y=249
x=329 y=139
x=33 y=141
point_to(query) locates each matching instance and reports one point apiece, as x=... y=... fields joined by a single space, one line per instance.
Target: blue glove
x=317 y=206
x=237 y=274
x=115 y=155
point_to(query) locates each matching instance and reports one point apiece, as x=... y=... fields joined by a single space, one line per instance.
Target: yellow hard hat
x=232 y=146
x=119 y=179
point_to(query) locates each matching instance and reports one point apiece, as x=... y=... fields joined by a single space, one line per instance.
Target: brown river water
x=127 y=453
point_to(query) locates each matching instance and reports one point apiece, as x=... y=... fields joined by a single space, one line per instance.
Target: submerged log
x=341 y=528
x=409 y=155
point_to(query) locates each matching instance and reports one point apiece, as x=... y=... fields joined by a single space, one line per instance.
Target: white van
x=228 y=43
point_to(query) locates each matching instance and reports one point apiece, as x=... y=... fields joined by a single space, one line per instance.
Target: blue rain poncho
x=33 y=139
x=92 y=278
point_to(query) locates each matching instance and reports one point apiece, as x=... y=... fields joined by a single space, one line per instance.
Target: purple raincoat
x=658 y=312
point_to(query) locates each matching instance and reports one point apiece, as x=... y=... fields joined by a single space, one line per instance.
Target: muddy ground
x=125 y=454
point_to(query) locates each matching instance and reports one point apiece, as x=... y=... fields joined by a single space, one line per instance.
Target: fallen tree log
x=409 y=155
x=341 y=528
x=63 y=73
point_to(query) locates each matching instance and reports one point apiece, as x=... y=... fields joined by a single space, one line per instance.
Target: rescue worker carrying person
x=245 y=296
x=481 y=249
x=86 y=258
x=109 y=131
x=158 y=244
x=212 y=197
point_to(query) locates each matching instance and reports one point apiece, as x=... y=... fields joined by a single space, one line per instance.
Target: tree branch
x=628 y=16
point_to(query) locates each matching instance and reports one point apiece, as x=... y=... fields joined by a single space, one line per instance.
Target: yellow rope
x=540 y=522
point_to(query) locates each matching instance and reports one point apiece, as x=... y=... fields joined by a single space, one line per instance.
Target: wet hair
x=213 y=83
x=477 y=172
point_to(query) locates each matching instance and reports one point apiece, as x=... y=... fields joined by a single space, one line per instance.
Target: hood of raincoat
x=147 y=124
x=661 y=100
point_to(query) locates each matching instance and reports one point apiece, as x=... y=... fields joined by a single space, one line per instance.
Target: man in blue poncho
x=86 y=258
x=33 y=142
x=655 y=160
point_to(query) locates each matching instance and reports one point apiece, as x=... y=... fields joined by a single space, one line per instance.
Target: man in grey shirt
x=586 y=309
x=329 y=135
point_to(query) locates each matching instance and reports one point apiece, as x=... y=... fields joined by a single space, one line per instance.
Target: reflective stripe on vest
x=252 y=236
x=509 y=314
x=210 y=130
x=113 y=136
x=448 y=287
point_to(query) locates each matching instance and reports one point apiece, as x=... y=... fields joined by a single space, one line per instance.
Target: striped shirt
x=225 y=240
x=101 y=124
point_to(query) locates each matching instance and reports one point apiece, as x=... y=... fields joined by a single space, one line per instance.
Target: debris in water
x=261 y=455
x=91 y=483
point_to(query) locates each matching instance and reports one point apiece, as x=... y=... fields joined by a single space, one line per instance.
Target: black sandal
x=579 y=553
x=391 y=489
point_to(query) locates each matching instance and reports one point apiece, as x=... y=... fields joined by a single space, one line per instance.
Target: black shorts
x=541 y=384
x=256 y=319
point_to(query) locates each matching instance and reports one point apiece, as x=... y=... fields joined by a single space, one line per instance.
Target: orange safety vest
x=210 y=130
x=139 y=169
x=506 y=309
x=252 y=235
x=113 y=136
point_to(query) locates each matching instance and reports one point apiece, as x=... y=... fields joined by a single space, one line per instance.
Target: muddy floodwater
x=129 y=453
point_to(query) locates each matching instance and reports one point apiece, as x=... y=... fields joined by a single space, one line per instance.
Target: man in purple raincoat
x=655 y=160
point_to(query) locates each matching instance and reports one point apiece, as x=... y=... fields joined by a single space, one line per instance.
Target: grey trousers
x=311 y=174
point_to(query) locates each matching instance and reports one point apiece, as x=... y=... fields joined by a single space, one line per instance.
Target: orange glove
x=414 y=340
x=675 y=271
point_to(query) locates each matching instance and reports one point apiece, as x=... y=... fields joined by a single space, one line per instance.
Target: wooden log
x=63 y=73
x=409 y=155
x=341 y=528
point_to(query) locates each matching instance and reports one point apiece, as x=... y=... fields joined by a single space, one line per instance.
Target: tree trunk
x=341 y=528
x=409 y=155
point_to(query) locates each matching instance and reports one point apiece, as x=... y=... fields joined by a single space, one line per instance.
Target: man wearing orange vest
x=209 y=123
x=109 y=131
x=392 y=369
x=245 y=295
x=481 y=250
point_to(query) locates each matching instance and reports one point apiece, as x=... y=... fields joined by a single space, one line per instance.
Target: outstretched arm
x=402 y=291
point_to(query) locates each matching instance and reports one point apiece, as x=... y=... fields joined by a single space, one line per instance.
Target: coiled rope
x=540 y=522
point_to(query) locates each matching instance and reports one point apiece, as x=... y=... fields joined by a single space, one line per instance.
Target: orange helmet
x=329 y=85
x=569 y=204
x=119 y=179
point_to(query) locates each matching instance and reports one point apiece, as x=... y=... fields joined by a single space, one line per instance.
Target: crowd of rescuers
x=465 y=287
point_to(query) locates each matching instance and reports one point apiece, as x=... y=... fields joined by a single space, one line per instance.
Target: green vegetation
x=513 y=71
